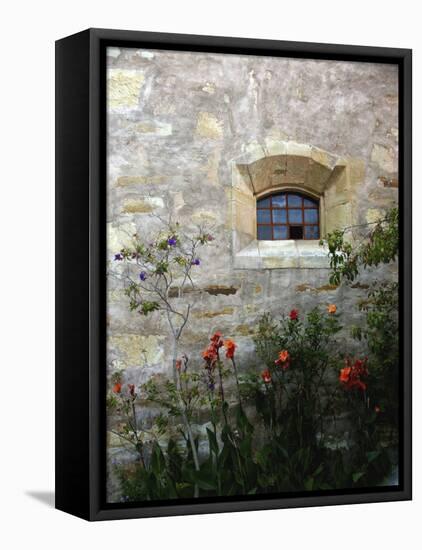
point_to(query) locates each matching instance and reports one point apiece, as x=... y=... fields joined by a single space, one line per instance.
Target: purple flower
x=210 y=238
x=196 y=261
x=118 y=257
x=211 y=386
x=172 y=241
x=142 y=275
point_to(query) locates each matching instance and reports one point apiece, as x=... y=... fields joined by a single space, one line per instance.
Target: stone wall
x=187 y=130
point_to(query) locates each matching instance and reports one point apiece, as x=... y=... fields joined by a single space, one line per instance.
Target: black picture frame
x=80 y=270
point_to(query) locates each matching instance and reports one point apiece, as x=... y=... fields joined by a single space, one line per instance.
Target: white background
x=28 y=32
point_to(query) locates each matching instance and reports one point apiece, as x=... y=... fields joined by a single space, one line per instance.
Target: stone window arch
x=290 y=167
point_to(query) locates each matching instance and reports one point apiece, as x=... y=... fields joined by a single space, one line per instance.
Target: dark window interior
x=284 y=216
x=296 y=232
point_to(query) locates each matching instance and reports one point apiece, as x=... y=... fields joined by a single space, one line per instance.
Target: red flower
x=230 y=348
x=131 y=389
x=283 y=359
x=117 y=388
x=294 y=315
x=178 y=364
x=351 y=375
x=266 y=376
x=217 y=339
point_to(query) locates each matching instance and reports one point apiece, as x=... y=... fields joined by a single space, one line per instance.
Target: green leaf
x=245 y=447
x=158 y=463
x=372 y=455
x=205 y=485
x=356 y=476
x=213 y=442
x=205 y=481
x=243 y=422
x=309 y=483
x=318 y=470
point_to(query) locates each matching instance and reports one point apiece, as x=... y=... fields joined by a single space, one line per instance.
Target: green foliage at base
x=294 y=426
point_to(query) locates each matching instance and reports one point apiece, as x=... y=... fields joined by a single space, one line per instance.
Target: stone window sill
x=288 y=254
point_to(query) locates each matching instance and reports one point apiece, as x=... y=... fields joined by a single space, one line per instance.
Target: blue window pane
x=309 y=202
x=280 y=232
x=279 y=201
x=264 y=216
x=311 y=232
x=264 y=203
x=295 y=200
x=264 y=232
x=279 y=216
x=311 y=216
x=295 y=216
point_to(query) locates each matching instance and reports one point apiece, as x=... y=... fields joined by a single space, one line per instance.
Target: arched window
x=287 y=216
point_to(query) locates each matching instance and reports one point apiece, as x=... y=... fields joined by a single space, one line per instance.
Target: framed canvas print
x=233 y=274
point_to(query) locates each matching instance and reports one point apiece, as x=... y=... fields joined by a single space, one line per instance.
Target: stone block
x=136 y=349
x=123 y=87
x=154 y=127
x=125 y=181
x=142 y=206
x=119 y=236
x=385 y=157
x=208 y=126
x=211 y=314
x=374 y=214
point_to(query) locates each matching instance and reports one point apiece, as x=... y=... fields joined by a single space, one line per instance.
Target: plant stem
x=220 y=379
x=184 y=415
x=237 y=380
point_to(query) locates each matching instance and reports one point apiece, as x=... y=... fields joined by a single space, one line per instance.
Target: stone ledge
x=287 y=254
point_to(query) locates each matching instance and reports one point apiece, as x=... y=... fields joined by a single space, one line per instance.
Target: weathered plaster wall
x=176 y=121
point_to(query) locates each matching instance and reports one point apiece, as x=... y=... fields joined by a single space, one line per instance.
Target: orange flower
x=210 y=354
x=331 y=308
x=230 y=348
x=178 y=364
x=283 y=359
x=117 y=388
x=345 y=375
x=283 y=355
x=266 y=376
x=351 y=375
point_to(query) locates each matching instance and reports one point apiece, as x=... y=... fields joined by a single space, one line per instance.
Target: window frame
x=287 y=193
